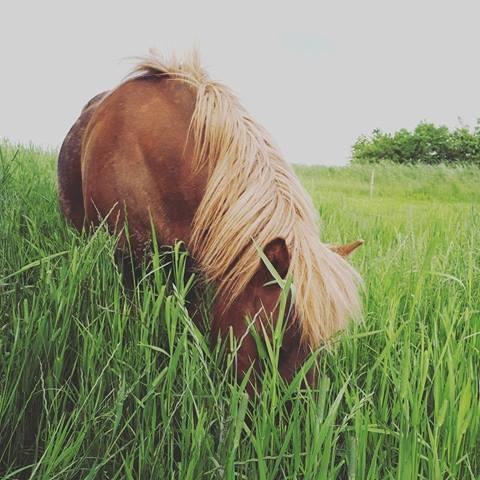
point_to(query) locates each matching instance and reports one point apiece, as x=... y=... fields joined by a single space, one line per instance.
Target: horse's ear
x=347 y=249
x=277 y=253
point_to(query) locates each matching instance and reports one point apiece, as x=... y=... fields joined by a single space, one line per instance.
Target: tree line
x=427 y=143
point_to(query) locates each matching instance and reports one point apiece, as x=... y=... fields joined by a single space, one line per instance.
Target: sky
x=317 y=74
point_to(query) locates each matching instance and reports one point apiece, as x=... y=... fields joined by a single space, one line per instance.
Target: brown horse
x=171 y=147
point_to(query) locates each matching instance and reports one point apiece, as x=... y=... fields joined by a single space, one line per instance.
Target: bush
x=428 y=144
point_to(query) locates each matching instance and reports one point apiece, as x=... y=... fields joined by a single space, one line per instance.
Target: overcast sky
x=316 y=74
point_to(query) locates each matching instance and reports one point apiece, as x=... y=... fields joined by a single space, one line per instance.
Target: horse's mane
x=253 y=193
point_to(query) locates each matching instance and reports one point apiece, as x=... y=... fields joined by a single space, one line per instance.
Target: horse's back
x=137 y=161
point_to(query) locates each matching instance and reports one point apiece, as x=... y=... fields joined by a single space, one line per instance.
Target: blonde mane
x=253 y=193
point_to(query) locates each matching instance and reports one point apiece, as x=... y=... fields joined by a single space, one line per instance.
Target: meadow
x=101 y=381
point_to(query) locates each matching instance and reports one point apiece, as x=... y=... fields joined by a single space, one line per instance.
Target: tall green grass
x=97 y=381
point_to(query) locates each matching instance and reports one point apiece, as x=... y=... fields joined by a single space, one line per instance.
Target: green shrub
x=428 y=144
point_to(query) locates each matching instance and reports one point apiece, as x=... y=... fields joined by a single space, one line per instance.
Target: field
x=97 y=381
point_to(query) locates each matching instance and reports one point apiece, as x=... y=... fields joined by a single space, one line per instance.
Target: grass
x=97 y=382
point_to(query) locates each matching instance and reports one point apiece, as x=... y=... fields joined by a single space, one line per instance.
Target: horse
x=172 y=148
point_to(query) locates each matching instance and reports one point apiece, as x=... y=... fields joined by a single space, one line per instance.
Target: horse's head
x=258 y=307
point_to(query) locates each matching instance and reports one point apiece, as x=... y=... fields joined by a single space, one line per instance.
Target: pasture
x=97 y=381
